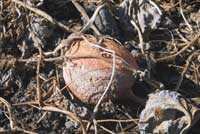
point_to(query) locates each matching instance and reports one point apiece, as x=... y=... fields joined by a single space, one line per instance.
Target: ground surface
x=26 y=33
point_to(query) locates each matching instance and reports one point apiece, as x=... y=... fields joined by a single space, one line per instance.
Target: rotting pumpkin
x=87 y=69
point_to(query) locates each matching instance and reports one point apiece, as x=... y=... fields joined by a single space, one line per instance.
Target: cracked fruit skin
x=88 y=70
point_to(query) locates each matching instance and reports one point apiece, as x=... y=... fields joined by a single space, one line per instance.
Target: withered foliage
x=164 y=36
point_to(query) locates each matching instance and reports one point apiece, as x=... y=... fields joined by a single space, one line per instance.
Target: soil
x=170 y=61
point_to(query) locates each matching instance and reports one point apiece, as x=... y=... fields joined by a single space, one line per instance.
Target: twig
x=115 y=120
x=185 y=69
x=181 y=11
x=105 y=129
x=70 y=114
x=172 y=36
x=12 y=123
x=154 y=4
x=122 y=129
x=196 y=74
x=168 y=7
x=16 y=131
x=65 y=43
x=141 y=45
x=42 y=117
x=7 y=104
x=25 y=131
x=179 y=52
x=113 y=71
x=95 y=110
x=181 y=36
x=1 y=6
x=92 y=19
x=38 y=91
x=43 y=14
x=25 y=103
x=84 y=14
x=95 y=126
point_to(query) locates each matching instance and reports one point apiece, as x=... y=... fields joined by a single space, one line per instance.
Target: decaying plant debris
x=168 y=112
x=163 y=36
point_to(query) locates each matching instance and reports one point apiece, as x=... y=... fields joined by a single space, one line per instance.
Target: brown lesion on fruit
x=88 y=84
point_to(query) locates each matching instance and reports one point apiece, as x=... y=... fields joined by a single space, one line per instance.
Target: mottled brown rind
x=88 y=77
